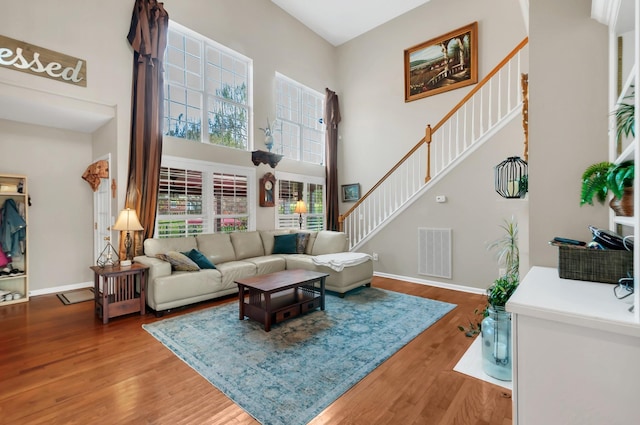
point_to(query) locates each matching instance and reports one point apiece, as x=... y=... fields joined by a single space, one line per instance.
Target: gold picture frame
x=441 y=64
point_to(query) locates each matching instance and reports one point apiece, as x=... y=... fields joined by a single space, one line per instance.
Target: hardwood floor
x=60 y=365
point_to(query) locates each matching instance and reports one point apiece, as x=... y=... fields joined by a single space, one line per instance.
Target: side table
x=119 y=294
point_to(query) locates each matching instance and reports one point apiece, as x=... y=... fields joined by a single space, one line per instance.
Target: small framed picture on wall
x=350 y=192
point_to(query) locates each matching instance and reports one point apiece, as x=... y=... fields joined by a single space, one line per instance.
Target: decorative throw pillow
x=301 y=242
x=179 y=261
x=200 y=259
x=285 y=244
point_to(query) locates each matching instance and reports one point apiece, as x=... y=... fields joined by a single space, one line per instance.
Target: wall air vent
x=434 y=252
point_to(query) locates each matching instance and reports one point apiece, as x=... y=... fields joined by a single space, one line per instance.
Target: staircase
x=488 y=107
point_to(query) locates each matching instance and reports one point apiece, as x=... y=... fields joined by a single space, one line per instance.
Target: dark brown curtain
x=148 y=38
x=331 y=120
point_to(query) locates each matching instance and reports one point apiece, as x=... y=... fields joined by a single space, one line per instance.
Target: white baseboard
x=443 y=285
x=57 y=289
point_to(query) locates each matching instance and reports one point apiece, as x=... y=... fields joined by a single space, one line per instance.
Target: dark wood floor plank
x=60 y=365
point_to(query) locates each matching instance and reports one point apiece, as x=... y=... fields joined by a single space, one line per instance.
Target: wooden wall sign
x=25 y=57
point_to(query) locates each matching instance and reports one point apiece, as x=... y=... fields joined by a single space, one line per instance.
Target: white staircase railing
x=491 y=104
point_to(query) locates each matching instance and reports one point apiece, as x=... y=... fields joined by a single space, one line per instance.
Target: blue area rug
x=291 y=374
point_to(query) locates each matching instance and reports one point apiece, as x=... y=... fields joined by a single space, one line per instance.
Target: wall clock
x=267 y=190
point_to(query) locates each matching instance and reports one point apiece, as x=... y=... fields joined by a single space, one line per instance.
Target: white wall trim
x=62 y=288
x=443 y=285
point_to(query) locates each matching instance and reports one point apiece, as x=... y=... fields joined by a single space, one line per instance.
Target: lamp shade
x=128 y=220
x=301 y=207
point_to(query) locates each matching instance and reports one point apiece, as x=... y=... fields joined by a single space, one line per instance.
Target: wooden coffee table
x=278 y=296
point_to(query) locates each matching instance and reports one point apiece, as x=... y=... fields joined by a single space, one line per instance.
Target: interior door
x=102 y=213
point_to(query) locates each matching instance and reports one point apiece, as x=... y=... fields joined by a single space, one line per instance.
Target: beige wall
x=376 y=120
x=60 y=219
x=473 y=211
x=97 y=34
x=568 y=52
x=568 y=120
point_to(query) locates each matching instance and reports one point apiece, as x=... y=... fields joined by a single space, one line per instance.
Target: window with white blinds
x=203 y=197
x=299 y=132
x=180 y=203
x=230 y=202
x=291 y=188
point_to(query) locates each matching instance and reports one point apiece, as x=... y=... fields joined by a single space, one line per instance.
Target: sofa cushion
x=268 y=239
x=216 y=246
x=302 y=241
x=247 y=244
x=268 y=263
x=328 y=242
x=285 y=244
x=177 y=286
x=200 y=259
x=155 y=246
x=179 y=261
x=233 y=270
x=311 y=242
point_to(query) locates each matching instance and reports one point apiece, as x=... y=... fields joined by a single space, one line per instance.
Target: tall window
x=203 y=197
x=291 y=188
x=206 y=82
x=299 y=133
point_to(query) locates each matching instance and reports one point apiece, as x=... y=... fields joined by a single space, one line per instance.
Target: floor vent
x=434 y=252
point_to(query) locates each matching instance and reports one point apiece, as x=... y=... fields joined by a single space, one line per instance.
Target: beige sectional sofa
x=238 y=255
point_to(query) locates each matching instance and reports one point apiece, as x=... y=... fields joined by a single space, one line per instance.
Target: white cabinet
x=576 y=347
x=14 y=277
x=576 y=350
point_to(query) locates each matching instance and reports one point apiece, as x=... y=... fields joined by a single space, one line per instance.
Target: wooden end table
x=278 y=296
x=119 y=294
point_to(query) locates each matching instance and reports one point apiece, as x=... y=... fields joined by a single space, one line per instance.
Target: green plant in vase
x=604 y=177
x=507 y=255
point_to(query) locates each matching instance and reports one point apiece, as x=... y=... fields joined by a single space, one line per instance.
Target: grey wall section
x=568 y=120
x=474 y=212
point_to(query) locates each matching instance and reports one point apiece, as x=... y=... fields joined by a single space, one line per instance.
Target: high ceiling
x=338 y=21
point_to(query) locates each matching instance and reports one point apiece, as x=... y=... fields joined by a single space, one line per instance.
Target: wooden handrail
x=395 y=167
x=430 y=130
x=481 y=84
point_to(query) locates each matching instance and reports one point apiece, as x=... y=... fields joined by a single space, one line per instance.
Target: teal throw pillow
x=285 y=244
x=200 y=259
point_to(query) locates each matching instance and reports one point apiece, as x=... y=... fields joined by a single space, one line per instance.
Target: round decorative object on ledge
x=512 y=178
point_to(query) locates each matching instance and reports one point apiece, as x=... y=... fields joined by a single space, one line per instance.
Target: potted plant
x=495 y=325
x=508 y=256
x=625 y=118
x=604 y=177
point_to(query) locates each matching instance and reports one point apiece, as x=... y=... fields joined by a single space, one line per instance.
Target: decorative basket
x=595 y=265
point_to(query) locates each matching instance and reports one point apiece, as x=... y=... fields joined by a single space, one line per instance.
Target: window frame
x=207 y=98
x=302 y=139
x=306 y=180
x=208 y=169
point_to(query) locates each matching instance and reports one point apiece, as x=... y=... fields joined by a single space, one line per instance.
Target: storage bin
x=595 y=265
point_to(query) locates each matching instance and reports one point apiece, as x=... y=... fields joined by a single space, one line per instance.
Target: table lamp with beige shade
x=127 y=222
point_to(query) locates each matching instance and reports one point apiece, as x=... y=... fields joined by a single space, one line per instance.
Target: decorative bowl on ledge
x=263 y=157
